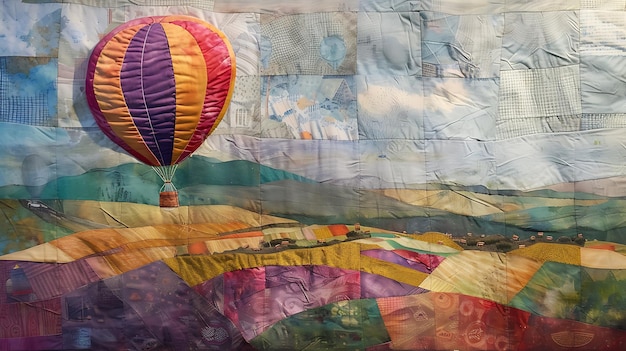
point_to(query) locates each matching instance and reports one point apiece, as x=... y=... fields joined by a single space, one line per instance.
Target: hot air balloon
x=158 y=87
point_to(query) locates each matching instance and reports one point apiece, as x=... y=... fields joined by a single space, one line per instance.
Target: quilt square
x=389 y=43
x=540 y=40
x=316 y=44
x=461 y=46
x=386 y=98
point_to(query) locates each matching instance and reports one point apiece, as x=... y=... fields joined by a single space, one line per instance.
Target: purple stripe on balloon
x=147 y=80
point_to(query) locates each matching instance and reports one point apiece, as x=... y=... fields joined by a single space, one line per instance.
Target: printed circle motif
x=333 y=50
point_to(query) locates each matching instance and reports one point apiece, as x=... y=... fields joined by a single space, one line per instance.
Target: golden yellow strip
x=562 y=253
x=196 y=269
x=435 y=238
x=322 y=233
x=392 y=271
x=98 y=241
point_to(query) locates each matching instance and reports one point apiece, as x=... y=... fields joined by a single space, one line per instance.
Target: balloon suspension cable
x=166 y=173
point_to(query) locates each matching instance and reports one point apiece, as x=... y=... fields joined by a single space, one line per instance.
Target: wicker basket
x=168 y=199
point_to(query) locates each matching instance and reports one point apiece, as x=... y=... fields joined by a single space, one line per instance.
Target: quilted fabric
x=385 y=175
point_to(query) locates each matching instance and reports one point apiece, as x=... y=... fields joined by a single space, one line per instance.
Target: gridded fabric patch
x=389 y=5
x=281 y=6
x=28 y=93
x=389 y=43
x=603 y=120
x=317 y=44
x=602 y=33
x=514 y=127
x=603 y=88
x=603 y=4
x=464 y=7
x=461 y=46
x=541 y=5
x=460 y=108
x=383 y=99
x=540 y=93
x=200 y=4
x=539 y=40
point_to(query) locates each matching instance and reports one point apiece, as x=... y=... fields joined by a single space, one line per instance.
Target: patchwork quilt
x=364 y=175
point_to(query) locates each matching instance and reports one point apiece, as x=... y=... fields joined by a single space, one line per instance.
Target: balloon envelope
x=158 y=86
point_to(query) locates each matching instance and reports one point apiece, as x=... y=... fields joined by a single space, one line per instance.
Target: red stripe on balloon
x=218 y=58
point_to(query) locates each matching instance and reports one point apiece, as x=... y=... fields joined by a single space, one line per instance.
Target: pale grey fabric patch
x=540 y=40
x=603 y=85
x=465 y=7
x=460 y=108
x=285 y=7
x=390 y=5
x=390 y=107
x=461 y=46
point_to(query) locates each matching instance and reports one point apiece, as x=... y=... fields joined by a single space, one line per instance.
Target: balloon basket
x=168 y=199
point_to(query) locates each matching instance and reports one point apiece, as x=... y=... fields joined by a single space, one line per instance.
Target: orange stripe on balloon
x=191 y=80
x=108 y=91
x=220 y=62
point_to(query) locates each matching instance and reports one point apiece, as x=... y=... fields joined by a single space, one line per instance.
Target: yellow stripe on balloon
x=110 y=97
x=191 y=81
